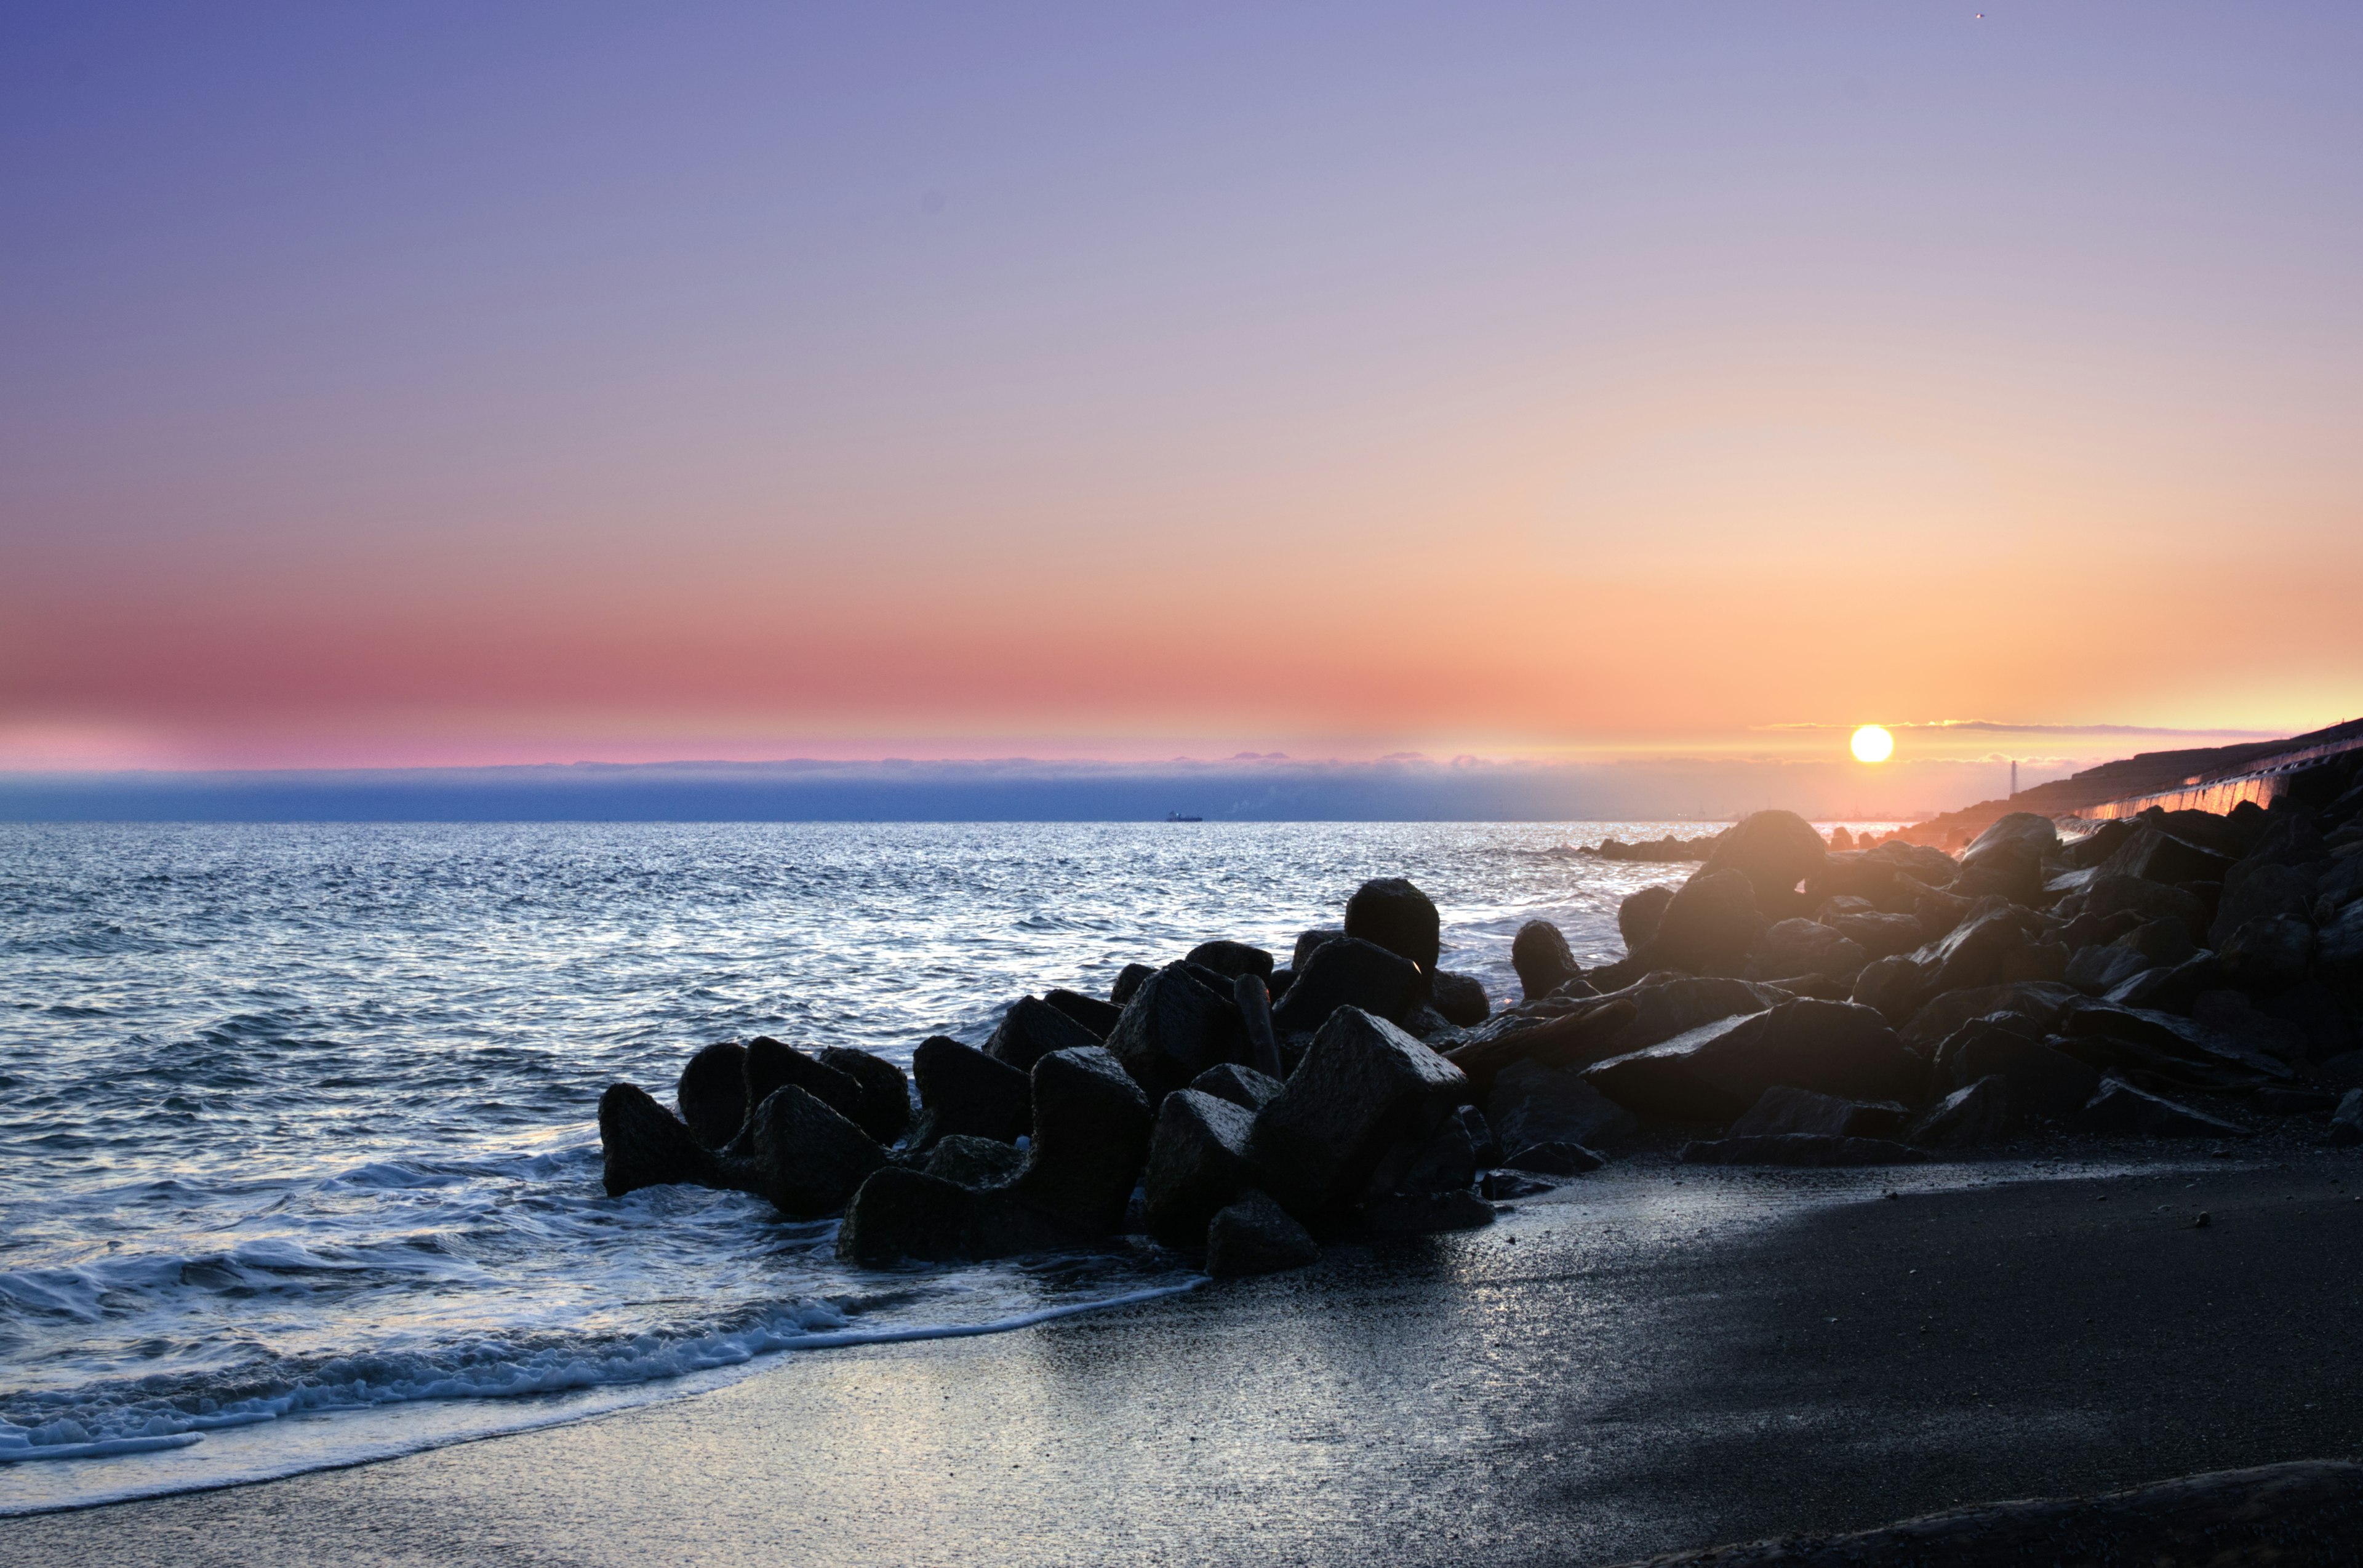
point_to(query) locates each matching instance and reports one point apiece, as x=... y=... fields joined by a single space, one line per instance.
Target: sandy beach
x=1653 y=1359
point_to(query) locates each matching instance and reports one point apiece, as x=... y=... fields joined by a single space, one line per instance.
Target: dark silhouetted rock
x=1444 y=1159
x=1425 y=1213
x=2045 y=1083
x=1363 y=1085
x=1197 y=1163
x=1966 y=1118
x=2176 y=1036
x=1880 y=936
x=641 y=1144
x=1096 y=1016
x=2099 y=969
x=1131 y=978
x=899 y=1213
x=2089 y=852
x=2155 y=856
x=770 y=1066
x=1397 y=917
x=2042 y=1001
x=1895 y=987
x=2346 y=1121
x=1531 y=1104
x=1540 y=955
x=1556 y=1158
x=2121 y=1107
x=1774 y=850
x=1348 y=972
x=2170 y=989
x=975 y=1163
x=2262 y=892
x=2007 y=859
x=712 y=1094
x=1309 y=942
x=1231 y=960
x=963 y=1090
x=1782 y=1109
x=1790 y=947
x=1089 y=1142
x=1971 y=953
x=2338 y=955
x=2109 y=894
x=2269 y=954
x=1254 y=1002
x=1031 y=1029
x=1575 y=1037
x=1800 y=1148
x=1638 y=917
x=1174 y=1028
x=1241 y=1086
x=1715 y=1072
x=2035 y=961
x=1674 y=1004
x=1461 y=998
x=1254 y=1235
x=802 y=1154
x=1708 y=925
x=885 y=1104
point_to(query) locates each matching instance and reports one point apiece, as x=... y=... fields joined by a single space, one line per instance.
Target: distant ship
x=1177 y=816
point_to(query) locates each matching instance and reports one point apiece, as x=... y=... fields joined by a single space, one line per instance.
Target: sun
x=1872 y=744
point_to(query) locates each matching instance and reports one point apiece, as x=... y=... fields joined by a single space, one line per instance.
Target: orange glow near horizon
x=1872 y=743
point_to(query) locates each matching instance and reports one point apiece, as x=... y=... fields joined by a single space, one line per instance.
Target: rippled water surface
x=297 y=1161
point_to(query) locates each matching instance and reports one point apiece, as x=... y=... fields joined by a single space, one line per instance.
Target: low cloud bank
x=1018 y=791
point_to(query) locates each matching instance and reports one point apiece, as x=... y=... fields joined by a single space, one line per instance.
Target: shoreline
x=1654 y=1360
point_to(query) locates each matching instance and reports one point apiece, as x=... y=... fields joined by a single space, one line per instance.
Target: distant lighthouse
x=2014 y=778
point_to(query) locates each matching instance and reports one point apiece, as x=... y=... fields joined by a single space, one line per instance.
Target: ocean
x=298 y=1163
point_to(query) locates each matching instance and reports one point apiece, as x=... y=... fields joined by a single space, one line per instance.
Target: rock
x=1096 y=1016
x=1966 y=1118
x=2042 y=1001
x=1840 y=839
x=1821 y=987
x=712 y=1094
x=2109 y=894
x=1174 y=1028
x=1540 y=955
x=2338 y=955
x=802 y=1154
x=1800 y=1148
x=963 y=1090
x=2035 y=961
x=2346 y=1121
x=641 y=1144
x=1879 y=936
x=2028 y=828
x=1424 y=1214
x=1242 y=1086
x=1530 y=1104
x=1483 y=1143
x=1349 y=972
x=2121 y=1107
x=1362 y=1086
x=1089 y=1142
x=1673 y=1004
x=1231 y=960
x=1127 y=980
x=1310 y=943
x=2176 y=1036
x=1254 y=1002
x=2339 y=888
x=2086 y=852
x=1804 y=947
x=1031 y=1029
x=1197 y=1165
x=975 y=1163
x=1708 y=925
x=1398 y=916
x=1893 y=986
x=2324 y=1025
x=2007 y=859
x=1254 y=1235
x=1442 y=1159
x=885 y=1109
x=1461 y=998
x=2102 y=967
x=1716 y=1072
x=2170 y=989
x=2234 y=1016
x=1504 y=1186
x=2158 y=857
x=2264 y=891
x=1774 y=850
x=1638 y=917
x=1972 y=952
x=1558 y=1157
x=900 y=1213
x=2269 y=954
x=768 y=1067
x=2045 y=1083
x=1781 y=1109
x=1572 y=1039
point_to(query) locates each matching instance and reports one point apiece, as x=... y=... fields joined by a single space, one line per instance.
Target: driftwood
x=2303 y=1515
x=1572 y=1039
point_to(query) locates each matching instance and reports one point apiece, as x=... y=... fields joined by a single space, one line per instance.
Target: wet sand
x=1654 y=1358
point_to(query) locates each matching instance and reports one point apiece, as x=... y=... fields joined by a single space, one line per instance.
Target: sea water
x=298 y=1158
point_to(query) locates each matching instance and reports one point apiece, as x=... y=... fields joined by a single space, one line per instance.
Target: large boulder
x=1363 y=1085
x=2156 y=856
x=1638 y=917
x=2338 y=955
x=975 y=1163
x=1397 y=917
x=1254 y=1002
x=1349 y=972
x=1241 y=1086
x=2043 y=1001
x=803 y=1155
x=641 y=1144
x=1966 y=1118
x=770 y=1066
x=1715 y=1072
x=1254 y=1236
x=2007 y=859
x=2108 y=893
x=1972 y=952
x=2045 y=1083
x=1128 y=981
x=1531 y=1104
x=1798 y=947
x=900 y=1213
x=1310 y=943
x=712 y=1095
x=1231 y=959
x=1031 y=1029
x=1666 y=1006
x=1461 y=998
x=1880 y=935
x=2087 y=852
x=963 y=1090
x=1096 y=1016
x=1774 y=850
x=1782 y=1109
x=1539 y=953
x=1090 y=1139
x=1197 y=1165
x=2269 y=954
x=1174 y=1028
x=1708 y=925
x=1442 y=1160
x=2121 y=1107
x=885 y=1111
x=1894 y=986
x=2262 y=892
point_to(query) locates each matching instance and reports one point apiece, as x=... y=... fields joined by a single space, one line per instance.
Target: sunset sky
x=449 y=383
